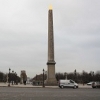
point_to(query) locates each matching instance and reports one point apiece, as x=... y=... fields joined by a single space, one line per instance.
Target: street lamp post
x=93 y=77
x=9 y=78
x=43 y=77
x=65 y=75
x=16 y=81
x=75 y=75
x=12 y=77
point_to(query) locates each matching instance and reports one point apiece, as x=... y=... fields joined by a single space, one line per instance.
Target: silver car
x=96 y=85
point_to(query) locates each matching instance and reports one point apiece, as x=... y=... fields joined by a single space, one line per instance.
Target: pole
x=9 y=78
x=43 y=77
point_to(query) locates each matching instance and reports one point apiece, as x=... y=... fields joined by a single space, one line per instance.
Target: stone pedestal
x=51 y=79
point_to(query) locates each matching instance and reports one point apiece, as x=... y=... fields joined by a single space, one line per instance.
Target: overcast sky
x=24 y=35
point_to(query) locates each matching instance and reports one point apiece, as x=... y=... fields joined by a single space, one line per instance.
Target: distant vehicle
x=90 y=83
x=67 y=83
x=96 y=85
x=28 y=82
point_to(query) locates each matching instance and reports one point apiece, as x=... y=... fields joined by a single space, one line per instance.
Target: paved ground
x=8 y=93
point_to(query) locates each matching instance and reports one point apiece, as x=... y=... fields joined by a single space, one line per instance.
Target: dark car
x=96 y=85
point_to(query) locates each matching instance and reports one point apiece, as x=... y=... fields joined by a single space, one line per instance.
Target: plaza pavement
x=36 y=86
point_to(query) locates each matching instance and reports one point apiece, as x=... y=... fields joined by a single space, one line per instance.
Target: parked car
x=67 y=83
x=90 y=83
x=96 y=85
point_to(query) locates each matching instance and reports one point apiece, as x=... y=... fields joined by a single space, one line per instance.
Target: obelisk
x=51 y=80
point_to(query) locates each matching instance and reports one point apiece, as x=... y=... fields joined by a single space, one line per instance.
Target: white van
x=68 y=83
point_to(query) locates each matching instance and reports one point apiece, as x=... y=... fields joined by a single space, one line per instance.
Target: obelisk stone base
x=51 y=79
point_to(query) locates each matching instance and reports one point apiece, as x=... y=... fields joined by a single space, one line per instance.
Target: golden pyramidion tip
x=50 y=7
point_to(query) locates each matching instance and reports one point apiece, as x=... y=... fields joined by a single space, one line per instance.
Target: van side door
x=71 y=83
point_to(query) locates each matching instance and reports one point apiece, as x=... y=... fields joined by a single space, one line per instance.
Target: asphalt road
x=9 y=93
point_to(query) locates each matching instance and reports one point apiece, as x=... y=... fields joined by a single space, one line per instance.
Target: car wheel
x=75 y=87
x=93 y=86
x=62 y=86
